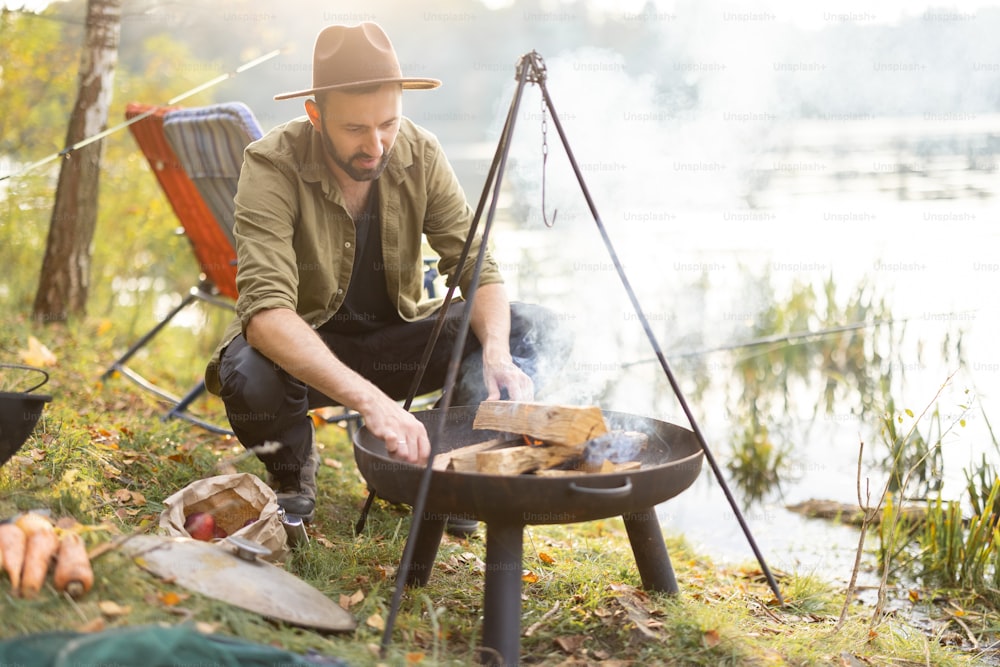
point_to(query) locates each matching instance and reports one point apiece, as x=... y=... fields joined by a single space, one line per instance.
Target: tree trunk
x=64 y=282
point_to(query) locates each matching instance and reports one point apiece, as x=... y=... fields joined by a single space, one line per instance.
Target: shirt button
x=347 y=245
x=340 y=291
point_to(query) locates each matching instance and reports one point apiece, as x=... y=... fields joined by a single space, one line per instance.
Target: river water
x=709 y=244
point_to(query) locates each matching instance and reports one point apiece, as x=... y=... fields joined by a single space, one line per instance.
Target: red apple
x=219 y=532
x=200 y=526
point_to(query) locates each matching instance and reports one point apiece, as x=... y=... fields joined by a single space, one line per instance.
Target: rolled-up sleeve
x=266 y=210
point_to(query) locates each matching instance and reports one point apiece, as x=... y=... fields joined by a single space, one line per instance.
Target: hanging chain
x=545 y=158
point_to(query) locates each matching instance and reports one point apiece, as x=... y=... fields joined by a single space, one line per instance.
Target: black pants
x=267 y=405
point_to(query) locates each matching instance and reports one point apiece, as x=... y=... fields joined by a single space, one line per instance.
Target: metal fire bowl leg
x=424 y=551
x=502 y=594
x=650 y=551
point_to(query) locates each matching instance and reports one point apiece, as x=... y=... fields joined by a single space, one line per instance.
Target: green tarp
x=148 y=646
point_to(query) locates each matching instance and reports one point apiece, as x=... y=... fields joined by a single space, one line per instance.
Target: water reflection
x=794 y=329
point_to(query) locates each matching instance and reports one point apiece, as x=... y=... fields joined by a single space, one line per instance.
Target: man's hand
x=282 y=336
x=501 y=373
x=405 y=437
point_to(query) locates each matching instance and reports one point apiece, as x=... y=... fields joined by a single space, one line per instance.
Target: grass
x=102 y=454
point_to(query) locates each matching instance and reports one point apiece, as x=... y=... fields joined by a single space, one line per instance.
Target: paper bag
x=241 y=505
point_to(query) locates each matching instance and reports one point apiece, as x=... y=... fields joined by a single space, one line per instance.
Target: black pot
x=19 y=413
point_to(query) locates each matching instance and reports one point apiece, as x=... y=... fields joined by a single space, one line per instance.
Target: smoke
x=744 y=143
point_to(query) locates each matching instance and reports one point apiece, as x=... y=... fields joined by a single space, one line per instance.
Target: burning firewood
x=463 y=459
x=560 y=425
x=549 y=440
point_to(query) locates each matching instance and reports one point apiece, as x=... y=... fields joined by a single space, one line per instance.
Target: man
x=331 y=212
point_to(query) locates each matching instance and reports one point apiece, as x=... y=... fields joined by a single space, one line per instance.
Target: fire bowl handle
x=21 y=367
x=623 y=490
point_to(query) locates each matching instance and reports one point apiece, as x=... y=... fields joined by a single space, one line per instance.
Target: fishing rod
x=792 y=338
x=135 y=119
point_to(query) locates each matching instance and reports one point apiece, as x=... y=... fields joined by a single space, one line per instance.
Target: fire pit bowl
x=19 y=413
x=671 y=461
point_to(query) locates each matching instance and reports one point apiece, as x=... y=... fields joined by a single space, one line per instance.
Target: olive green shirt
x=295 y=241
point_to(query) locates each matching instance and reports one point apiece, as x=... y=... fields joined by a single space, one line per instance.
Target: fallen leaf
x=93 y=625
x=914 y=595
x=545 y=558
x=170 y=598
x=122 y=495
x=348 y=601
x=529 y=577
x=711 y=638
x=414 y=657
x=571 y=644
x=110 y=608
x=333 y=463
x=375 y=621
x=37 y=354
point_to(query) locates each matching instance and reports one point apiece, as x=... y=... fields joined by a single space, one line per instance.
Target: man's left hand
x=503 y=374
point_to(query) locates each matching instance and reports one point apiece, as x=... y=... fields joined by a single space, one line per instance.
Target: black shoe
x=296 y=504
x=297 y=495
x=460 y=527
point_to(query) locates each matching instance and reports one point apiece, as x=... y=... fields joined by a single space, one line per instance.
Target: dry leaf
x=348 y=601
x=37 y=354
x=333 y=463
x=711 y=638
x=93 y=625
x=170 y=598
x=545 y=558
x=109 y=608
x=570 y=645
x=414 y=657
x=529 y=577
x=375 y=621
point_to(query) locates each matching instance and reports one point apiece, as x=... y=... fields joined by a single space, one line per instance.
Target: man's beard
x=346 y=164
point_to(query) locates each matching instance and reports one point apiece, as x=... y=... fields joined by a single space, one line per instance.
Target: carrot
x=13 y=542
x=73 y=573
x=38 y=552
x=31 y=523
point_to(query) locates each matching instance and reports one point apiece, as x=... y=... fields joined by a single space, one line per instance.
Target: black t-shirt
x=366 y=306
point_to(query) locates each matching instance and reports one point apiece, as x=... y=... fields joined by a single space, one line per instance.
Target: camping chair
x=196 y=156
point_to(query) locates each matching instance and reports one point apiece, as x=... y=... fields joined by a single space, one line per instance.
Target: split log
x=526 y=458
x=560 y=425
x=463 y=459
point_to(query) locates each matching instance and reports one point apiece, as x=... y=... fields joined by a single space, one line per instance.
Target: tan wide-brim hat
x=355 y=56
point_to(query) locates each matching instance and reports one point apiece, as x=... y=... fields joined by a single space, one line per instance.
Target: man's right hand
x=282 y=336
x=404 y=435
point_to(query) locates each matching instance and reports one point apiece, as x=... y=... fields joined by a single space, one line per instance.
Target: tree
x=65 y=277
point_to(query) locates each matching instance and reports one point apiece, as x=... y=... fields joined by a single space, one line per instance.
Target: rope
x=135 y=119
